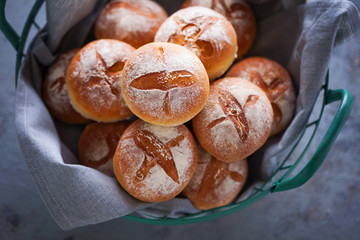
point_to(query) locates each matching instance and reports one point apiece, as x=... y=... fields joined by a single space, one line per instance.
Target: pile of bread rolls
x=172 y=108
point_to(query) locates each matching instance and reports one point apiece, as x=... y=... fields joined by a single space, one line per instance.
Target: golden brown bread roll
x=215 y=183
x=206 y=33
x=236 y=120
x=164 y=84
x=94 y=78
x=239 y=13
x=134 y=22
x=275 y=81
x=155 y=163
x=55 y=91
x=97 y=145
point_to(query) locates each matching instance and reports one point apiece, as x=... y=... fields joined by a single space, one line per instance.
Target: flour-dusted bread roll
x=239 y=13
x=206 y=33
x=94 y=80
x=275 y=81
x=97 y=145
x=215 y=183
x=236 y=120
x=164 y=84
x=55 y=91
x=155 y=163
x=134 y=22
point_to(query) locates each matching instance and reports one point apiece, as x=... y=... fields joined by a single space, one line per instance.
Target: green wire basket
x=280 y=180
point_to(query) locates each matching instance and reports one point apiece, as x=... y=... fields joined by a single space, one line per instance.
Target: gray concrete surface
x=327 y=207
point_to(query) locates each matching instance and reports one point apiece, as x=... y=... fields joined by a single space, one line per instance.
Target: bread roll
x=241 y=16
x=236 y=120
x=155 y=163
x=164 y=84
x=215 y=183
x=97 y=145
x=55 y=91
x=275 y=81
x=206 y=33
x=134 y=22
x=94 y=78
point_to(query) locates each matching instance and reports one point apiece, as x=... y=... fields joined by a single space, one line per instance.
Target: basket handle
x=328 y=140
x=6 y=28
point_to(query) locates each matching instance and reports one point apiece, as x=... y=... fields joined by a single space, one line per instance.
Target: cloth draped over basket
x=301 y=38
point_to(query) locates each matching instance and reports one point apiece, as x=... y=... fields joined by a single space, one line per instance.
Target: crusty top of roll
x=275 y=81
x=134 y=22
x=155 y=163
x=206 y=33
x=55 y=91
x=215 y=183
x=94 y=78
x=97 y=145
x=165 y=84
x=235 y=121
x=239 y=13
